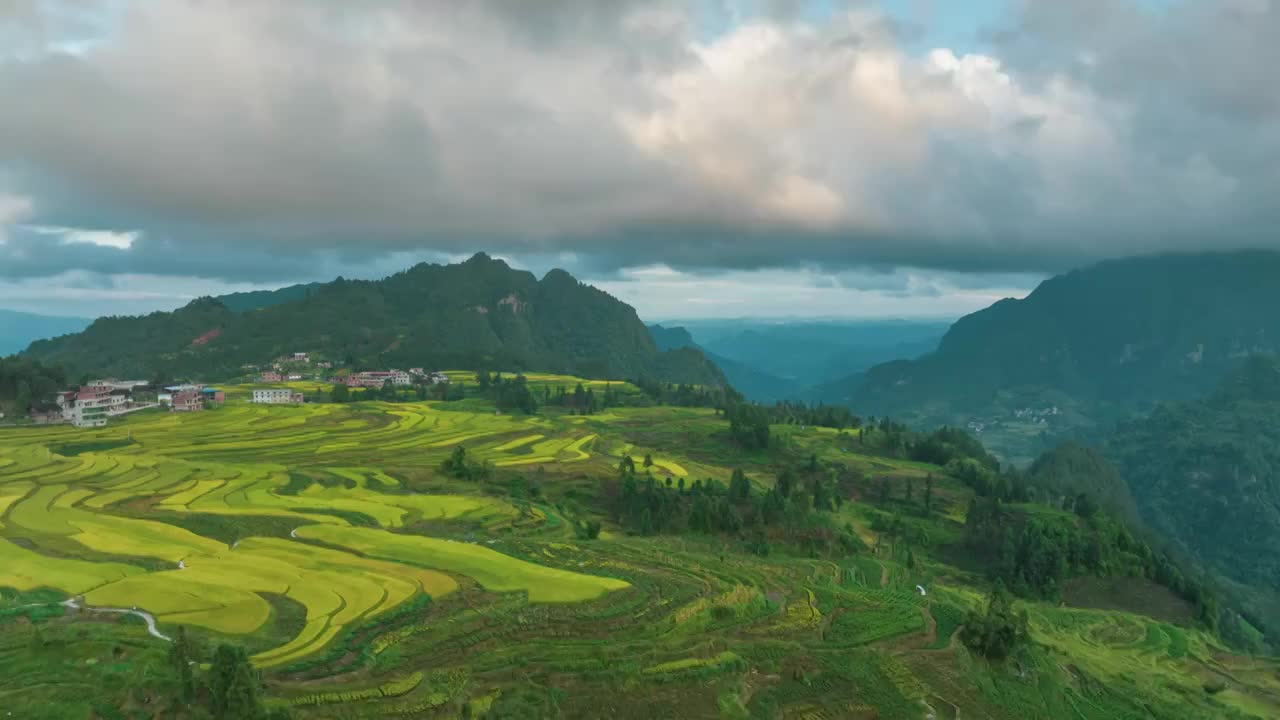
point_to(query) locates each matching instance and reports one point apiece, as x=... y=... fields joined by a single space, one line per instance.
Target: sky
x=707 y=158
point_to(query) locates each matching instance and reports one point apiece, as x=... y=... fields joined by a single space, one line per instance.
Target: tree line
x=795 y=511
x=1034 y=553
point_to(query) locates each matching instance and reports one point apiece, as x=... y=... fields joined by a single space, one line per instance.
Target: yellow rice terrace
x=654 y=556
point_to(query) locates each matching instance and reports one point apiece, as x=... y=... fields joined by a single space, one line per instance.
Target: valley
x=435 y=559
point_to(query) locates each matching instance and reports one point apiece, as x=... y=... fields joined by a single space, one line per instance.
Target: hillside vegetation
x=626 y=559
x=1206 y=474
x=479 y=313
x=1088 y=348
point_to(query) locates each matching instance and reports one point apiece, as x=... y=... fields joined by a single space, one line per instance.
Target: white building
x=91 y=405
x=277 y=396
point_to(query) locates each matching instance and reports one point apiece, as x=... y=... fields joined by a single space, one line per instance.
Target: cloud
x=75 y=236
x=664 y=293
x=267 y=141
x=13 y=208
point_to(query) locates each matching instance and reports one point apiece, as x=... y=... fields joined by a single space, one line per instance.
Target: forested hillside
x=1088 y=347
x=254 y=299
x=1206 y=474
x=24 y=384
x=480 y=313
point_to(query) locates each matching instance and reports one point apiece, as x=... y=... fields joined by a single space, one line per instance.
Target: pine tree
x=180 y=660
x=233 y=688
x=785 y=483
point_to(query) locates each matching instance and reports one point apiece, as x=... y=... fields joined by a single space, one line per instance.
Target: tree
x=180 y=660
x=648 y=460
x=1000 y=630
x=909 y=491
x=928 y=494
x=884 y=489
x=785 y=483
x=739 y=486
x=233 y=688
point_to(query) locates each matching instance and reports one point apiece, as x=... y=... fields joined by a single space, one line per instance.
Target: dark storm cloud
x=266 y=141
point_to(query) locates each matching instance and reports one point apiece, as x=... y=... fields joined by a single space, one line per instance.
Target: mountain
x=245 y=301
x=19 y=329
x=771 y=360
x=755 y=384
x=1072 y=469
x=1206 y=474
x=1088 y=348
x=479 y=313
x=814 y=352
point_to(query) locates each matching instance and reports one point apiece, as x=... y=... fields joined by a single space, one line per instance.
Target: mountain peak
x=556 y=276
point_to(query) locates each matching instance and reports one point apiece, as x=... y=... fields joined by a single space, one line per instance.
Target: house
x=91 y=405
x=416 y=372
x=324 y=364
x=378 y=378
x=187 y=401
x=301 y=357
x=114 y=384
x=293 y=376
x=213 y=395
x=277 y=396
x=165 y=395
x=437 y=378
x=269 y=377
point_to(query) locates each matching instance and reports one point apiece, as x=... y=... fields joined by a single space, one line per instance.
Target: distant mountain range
x=1087 y=348
x=479 y=313
x=20 y=329
x=769 y=360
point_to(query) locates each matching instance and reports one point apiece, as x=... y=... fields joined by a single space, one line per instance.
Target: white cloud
x=80 y=236
x=13 y=208
x=663 y=293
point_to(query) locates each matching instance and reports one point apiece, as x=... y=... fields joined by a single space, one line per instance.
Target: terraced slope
x=368 y=582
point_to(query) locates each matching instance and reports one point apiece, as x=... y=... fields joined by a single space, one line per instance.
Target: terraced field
x=369 y=583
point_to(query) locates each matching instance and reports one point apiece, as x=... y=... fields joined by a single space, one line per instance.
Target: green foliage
x=1207 y=475
x=1034 y=552
x=748 y=425
x=27 y=384
x=233 y=685
x=998 y=631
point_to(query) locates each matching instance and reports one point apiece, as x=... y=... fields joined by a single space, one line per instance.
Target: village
x=94 y=403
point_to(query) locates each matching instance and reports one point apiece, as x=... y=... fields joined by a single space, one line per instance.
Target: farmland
x=365 y=580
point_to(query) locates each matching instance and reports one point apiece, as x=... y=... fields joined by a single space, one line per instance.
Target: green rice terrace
x=438 y=559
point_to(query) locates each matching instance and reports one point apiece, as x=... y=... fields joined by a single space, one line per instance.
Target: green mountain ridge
x=255 y=299
x=479 y=313
x=1088 y=348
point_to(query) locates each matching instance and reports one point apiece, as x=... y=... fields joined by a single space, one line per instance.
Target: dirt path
x=148 y=617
